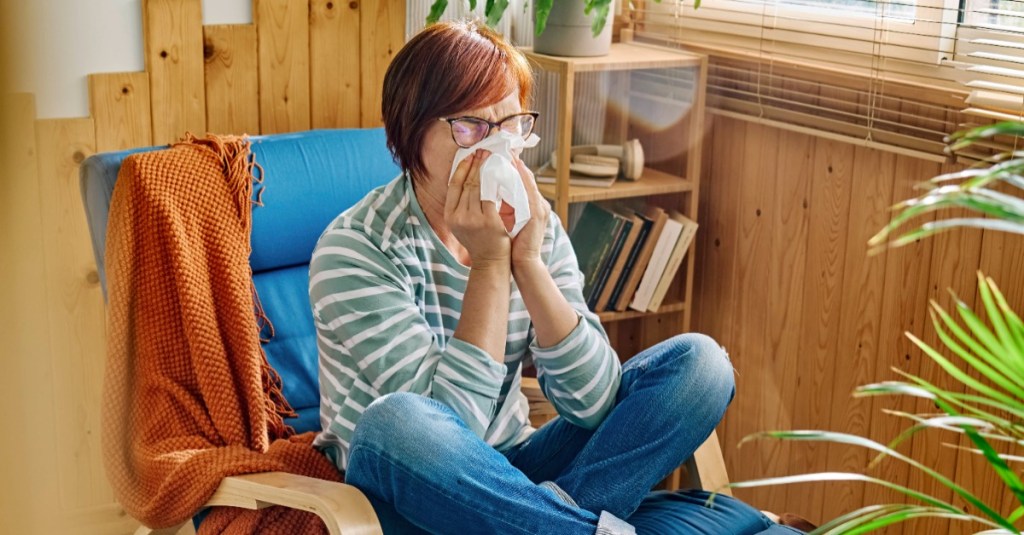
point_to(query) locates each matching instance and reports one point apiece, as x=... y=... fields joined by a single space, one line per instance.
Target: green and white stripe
x=387 y=295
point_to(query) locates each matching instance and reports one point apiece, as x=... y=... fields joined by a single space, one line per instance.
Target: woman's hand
x=474 y=223
x=526 y=245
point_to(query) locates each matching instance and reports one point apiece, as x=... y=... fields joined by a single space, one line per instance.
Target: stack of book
x=629 y=254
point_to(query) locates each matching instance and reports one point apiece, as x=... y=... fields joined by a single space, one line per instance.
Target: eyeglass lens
x=469 y=131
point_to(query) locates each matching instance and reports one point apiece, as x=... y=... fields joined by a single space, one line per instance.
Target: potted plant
x=988 y=411
x=562 y=28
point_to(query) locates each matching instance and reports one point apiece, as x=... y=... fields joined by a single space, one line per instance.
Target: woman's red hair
x=447 y=68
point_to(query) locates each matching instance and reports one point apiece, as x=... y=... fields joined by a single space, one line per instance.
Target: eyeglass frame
x=491 y=125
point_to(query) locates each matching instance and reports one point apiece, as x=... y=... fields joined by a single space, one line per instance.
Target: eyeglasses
x=468 y=131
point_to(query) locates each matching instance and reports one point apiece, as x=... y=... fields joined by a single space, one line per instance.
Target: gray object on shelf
x=568 y=32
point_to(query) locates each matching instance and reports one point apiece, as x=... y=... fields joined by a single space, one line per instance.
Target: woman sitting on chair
x=427 y=310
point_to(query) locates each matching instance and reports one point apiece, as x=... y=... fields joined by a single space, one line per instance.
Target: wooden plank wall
x=228 y=79
x=785 y=284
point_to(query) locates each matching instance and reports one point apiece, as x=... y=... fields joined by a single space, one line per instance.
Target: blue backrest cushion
x=309 y=178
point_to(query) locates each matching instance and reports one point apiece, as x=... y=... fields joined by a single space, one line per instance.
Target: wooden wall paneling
x=283 y=48
x=831 y=190
x=955 y=257
x=334 y=54
x=120 y=108
x=750 y=279
x=75 y=308
x=719 y=220
x=173 y=35
x=382 y=34
x=29 y=485
x=704 y=242
x=232 y=79
x=856 y=359
x=904 y=309
x=789 y=231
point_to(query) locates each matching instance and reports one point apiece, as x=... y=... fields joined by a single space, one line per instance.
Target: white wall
x=58 y=43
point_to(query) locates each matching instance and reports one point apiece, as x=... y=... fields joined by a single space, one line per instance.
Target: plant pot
x=568 y=32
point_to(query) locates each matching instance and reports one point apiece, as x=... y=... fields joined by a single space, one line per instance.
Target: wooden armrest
x=707 y=467
x=343 y=508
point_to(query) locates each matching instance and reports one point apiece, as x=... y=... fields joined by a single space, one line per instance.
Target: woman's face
x=439 y=148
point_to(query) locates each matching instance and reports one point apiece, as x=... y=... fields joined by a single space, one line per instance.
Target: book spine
x=656 y=267
x=630 y=264
x=608 y=263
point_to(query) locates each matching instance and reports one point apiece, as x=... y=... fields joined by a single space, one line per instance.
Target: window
x=1006 y=15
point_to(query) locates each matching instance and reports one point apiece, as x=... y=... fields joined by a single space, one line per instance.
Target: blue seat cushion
x=308 y=420
x=308 y=179
x=292 y=349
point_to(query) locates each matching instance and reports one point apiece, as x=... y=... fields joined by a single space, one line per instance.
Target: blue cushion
x=308 y=420
x=310 y=177
x=284 y=295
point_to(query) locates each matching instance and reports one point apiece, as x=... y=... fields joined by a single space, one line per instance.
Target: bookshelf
x=656 y=95
x=637 y=91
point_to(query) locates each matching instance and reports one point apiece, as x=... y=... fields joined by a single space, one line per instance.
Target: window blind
x=901 y=74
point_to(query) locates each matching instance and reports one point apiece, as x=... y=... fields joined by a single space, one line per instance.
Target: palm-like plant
x=987 y=413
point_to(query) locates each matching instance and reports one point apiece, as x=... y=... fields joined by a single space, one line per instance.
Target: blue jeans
x=425 y=471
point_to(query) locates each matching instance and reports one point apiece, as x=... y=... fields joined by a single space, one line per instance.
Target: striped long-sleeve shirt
x=386 y=297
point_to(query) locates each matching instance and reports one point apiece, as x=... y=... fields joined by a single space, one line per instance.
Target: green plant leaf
x=436 y=10
x=1016 y=514
x=494 y=11
x=869 y=510
x=998 y=465
x=1014 y=325
x=959 y=375
x=985 y=336
x=993 y=368
x=854 y=440
x=844 y=476
x=1004 y=456
x=1008 y=172
x=935 y=227
x=902 y=516
x=968 y=340
x=472 y=5
x=1007 y=128
x=943 y=399
x=931 y=422
x=598 y=9
x=1002 y=329
x=541 y=15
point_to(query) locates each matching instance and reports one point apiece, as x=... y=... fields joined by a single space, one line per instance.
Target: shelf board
x=652 y=182
x=622 y=56
x=666 y=308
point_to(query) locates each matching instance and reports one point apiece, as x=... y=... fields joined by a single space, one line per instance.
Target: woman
x=427 y=310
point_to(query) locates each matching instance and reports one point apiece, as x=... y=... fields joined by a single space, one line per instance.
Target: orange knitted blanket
x=188 y=396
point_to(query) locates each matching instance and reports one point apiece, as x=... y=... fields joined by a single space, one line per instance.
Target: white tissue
x=499 y=178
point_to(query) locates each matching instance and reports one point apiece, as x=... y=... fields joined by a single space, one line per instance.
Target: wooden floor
x=786 y=285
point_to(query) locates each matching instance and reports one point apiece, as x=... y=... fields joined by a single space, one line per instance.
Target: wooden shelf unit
x=666 y=308
x=653 y=182
x=671 y=184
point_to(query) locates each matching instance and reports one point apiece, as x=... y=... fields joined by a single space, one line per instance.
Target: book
x=546 y=175
x=592 y=239
x=609 y=263
x=615 y=274
x=686 y=236
x=655 y=268
x=658 y=218
x=631 y=261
